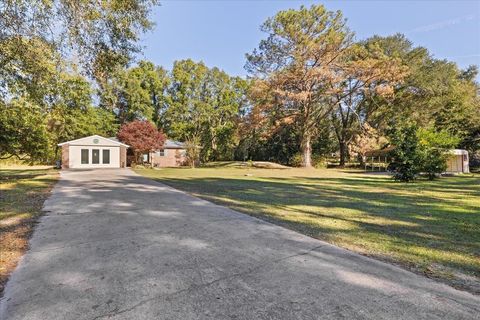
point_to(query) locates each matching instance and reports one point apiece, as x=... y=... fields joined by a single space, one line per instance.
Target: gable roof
x=116 y=142
x=169 y=144
x=172 y=144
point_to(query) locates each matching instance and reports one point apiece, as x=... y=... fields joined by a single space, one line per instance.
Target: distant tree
x=455 y=103
x=367 y=73
x=141 y=136
x=102 y=35
x=406 y=155
x=137 y=93
x=254 y=128
x=434 y=147
x=63 y=110
x=366 y=140
x=23 y=133
x=296 y=65
x=435 y=93
x=419 y=150
x=44 y=47
x=192 y=150
x=204 y=106
x=71 y=114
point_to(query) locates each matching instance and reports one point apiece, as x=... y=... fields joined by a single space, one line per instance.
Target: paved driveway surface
x=114 y=245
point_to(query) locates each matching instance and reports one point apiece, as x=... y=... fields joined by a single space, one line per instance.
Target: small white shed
x=93 y=152
x=457 y=162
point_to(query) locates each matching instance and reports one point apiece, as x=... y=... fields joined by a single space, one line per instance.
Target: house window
x=106 y=156
x=84 y=156
x=162 y=153
x=95 y=156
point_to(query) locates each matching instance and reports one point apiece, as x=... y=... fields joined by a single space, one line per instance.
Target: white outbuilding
x=457 y=161
x=93 y=152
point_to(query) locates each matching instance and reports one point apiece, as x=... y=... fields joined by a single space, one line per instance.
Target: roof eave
x=95 y=135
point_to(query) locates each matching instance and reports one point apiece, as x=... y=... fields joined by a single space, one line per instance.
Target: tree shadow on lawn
x=462 y=184
x=80 y=262
x=13 y=175
x=394 y=213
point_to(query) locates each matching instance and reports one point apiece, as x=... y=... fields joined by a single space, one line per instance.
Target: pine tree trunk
x=343 y=153
x=306 y=147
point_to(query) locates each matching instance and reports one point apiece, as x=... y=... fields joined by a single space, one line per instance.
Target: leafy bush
x=406 y=155
x=296 y=160
x=318 y=161
x=434 y=146
x=419 y=151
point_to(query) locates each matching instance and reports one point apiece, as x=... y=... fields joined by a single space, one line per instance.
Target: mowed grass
x=430 y=227
x=22 y=193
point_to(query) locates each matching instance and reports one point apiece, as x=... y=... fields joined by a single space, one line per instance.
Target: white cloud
x=444 y=24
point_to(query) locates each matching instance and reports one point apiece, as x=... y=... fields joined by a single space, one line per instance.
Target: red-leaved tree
x=141 y=136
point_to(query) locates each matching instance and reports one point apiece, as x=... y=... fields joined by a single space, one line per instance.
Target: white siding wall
x=75 y=157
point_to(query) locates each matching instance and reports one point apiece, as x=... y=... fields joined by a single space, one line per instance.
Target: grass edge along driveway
x=429 y=227
x=23 y=191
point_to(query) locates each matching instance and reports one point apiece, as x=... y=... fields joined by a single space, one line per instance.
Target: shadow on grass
x=224 y=164
x=138 y=232
x=14 y=174
x=376 y=209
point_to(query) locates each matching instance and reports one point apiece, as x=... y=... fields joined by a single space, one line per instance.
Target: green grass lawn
x=22 y=193
x=430 y=227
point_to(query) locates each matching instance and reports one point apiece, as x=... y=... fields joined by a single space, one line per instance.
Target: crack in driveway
x=116 y=312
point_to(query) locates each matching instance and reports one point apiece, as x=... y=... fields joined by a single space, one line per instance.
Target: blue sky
x=221 y=32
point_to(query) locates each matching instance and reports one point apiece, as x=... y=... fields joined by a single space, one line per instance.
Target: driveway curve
x=114 y=245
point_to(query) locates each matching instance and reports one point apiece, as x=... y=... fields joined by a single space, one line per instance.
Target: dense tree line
x=318 y=87
x=54 y=57
x=313 y=90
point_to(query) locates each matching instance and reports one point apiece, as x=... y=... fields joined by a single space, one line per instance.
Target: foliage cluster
x=419 y=150
x=142 y=137
x=313 y=89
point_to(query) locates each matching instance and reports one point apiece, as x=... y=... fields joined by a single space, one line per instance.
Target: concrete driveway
x=114 y=245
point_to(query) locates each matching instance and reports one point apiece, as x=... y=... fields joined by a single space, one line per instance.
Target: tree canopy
x=102 y=35
x=297 y=67
x=141 y=136
x=313 y=89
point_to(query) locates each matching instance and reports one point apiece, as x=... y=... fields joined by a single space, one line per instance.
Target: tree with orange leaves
x=296 y=64
x=366 y=73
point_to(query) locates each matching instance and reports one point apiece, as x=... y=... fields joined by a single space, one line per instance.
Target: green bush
x=406 y=155
x=317 y=161
x=434 y=146
x=419 y=151
x=296 y=160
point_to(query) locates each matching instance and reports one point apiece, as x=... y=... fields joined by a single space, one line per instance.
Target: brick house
x=173 y=154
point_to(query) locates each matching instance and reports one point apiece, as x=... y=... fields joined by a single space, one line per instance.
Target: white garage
x=93 y=152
